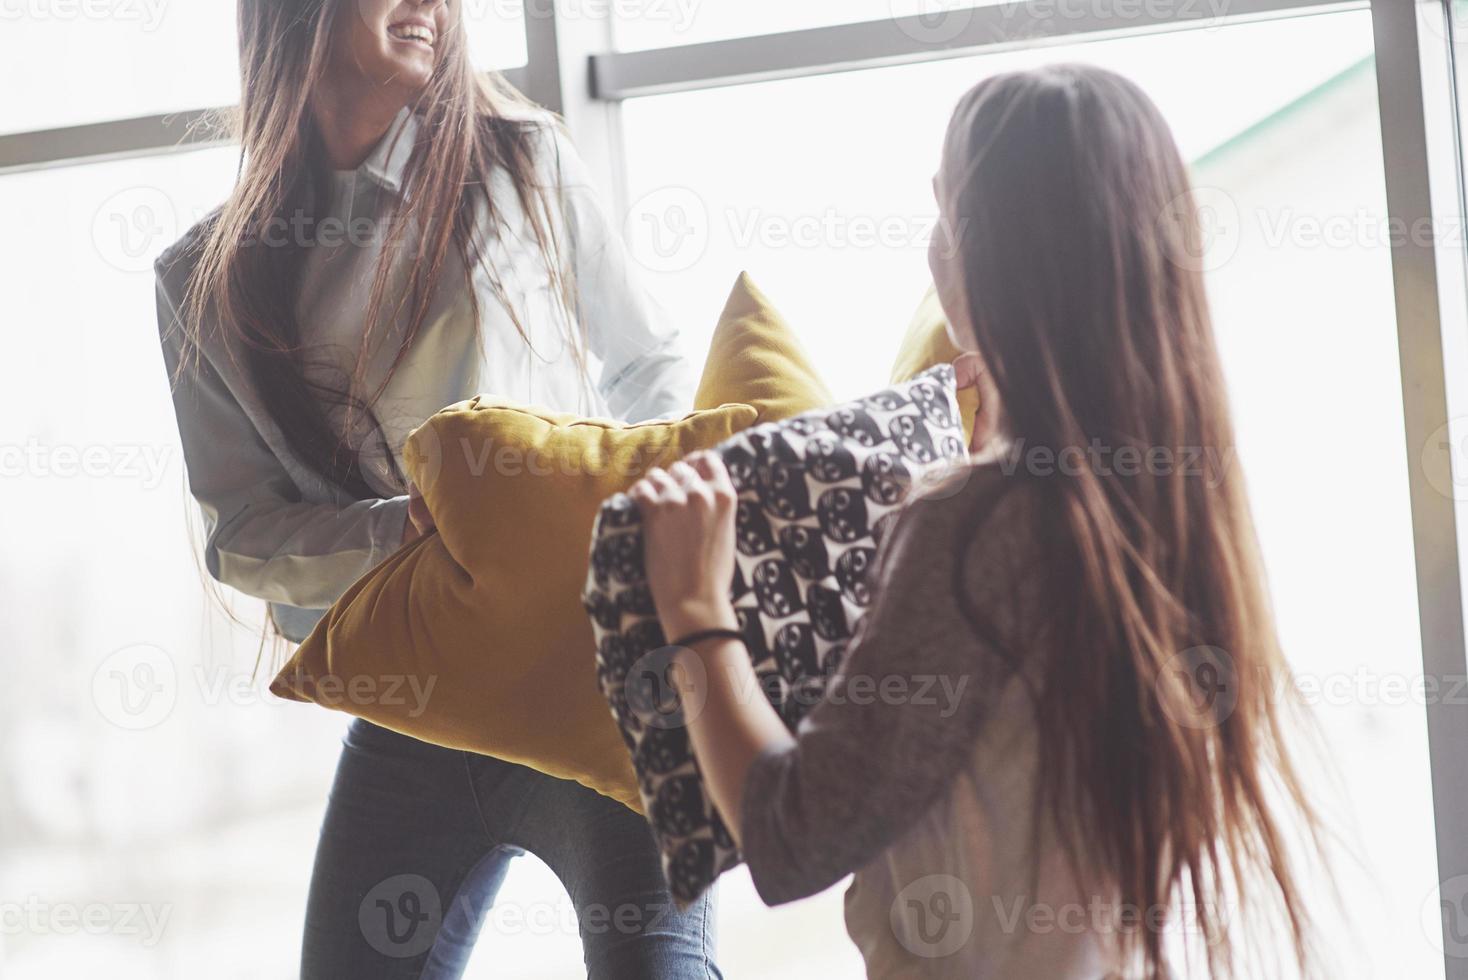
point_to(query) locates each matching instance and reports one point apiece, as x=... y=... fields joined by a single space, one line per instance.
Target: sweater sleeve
x=645 y=373
x=261 y=538
x=899 y=718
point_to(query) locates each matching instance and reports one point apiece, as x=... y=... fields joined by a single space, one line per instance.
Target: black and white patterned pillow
x=817 y=494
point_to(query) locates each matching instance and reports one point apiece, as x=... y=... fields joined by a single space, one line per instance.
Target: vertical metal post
x=1420 y=143
x=561 y=39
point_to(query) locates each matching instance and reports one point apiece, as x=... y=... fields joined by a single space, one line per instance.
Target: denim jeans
x=416 y=842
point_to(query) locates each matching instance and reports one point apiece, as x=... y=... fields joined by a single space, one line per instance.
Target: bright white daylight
x=160 y=809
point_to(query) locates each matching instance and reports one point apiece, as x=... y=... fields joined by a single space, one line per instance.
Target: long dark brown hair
x=248 y=290
x=1080 y=248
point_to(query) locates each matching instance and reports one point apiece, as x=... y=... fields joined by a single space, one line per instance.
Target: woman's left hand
x=688 y=540
x=419 y=521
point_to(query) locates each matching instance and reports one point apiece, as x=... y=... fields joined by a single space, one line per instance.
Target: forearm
x=303 y=555
x=730 y=723
x=658 y=384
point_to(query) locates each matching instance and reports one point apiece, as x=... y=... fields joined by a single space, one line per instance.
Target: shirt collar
x=388 y=161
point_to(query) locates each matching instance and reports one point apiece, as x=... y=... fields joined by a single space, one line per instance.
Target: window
x=148 y=769
x=156 y=57
x=821 y=188
x=155 y=790
x=496 y=34
x=144 y=765
x=643 y=24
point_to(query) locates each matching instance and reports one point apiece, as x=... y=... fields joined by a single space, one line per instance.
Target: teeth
x=411 y=32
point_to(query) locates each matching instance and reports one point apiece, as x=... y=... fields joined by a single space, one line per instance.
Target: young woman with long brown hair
x=405 y=234
x=1112 y=767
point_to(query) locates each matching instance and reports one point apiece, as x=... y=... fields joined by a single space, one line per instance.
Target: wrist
x=700 y=653
x=694 y=616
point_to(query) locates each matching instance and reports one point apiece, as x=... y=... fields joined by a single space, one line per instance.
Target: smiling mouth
x=412 y=32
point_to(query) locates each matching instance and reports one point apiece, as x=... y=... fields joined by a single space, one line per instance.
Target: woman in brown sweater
x=1097 y=763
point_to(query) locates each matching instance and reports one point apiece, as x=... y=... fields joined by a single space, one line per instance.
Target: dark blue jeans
x=415 y=845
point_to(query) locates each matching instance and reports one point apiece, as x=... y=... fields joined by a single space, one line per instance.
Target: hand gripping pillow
x=473 y=637
x=816 y=495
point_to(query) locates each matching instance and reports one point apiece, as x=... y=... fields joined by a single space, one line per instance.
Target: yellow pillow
x=488 y=609
x=756 y=358
x=927 y=344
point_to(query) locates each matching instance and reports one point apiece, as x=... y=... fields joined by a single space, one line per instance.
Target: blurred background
x=158 y=810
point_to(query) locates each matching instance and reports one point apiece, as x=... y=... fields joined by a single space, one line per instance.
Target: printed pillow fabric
x=817 y=494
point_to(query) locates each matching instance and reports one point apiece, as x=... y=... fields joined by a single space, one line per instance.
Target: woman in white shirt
x=405 y=234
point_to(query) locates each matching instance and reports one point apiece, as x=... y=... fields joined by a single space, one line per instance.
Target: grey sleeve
x=897 y=722
x=645 y=372
x=262 y=539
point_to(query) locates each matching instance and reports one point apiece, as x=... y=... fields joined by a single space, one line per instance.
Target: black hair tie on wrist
x=702 y=635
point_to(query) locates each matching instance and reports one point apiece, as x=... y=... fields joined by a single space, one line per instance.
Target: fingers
x=658 y=488
x=702 y=478
x=418 y=514
x=668 y=489
x=643 y=492
x=968 y=369
x=693 y=485
x=711 y=468
x=685 y=476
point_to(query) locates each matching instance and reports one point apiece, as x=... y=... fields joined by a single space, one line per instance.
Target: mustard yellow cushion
x=487 y=610
x=755 y=358
x=474 y=637
x=927 y=344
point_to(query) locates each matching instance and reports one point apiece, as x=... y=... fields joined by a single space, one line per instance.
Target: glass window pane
x=496 y=34
x=65 y=63
x=143 y=761
x=1458 y=34
x=643 y=24
x=826 y=200
x=147 y=771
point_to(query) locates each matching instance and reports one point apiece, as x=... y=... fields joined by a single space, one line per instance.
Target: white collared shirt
x=277 y=530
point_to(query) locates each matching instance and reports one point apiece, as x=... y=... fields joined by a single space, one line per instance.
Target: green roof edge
x=1284 y=112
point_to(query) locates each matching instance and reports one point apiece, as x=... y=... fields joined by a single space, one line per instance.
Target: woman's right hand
x=972 y=372
x=420 y=521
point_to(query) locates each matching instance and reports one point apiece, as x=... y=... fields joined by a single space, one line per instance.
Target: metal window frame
x=1422 y=152
x=119 y=139
x=956 y=33
x=574 y=69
